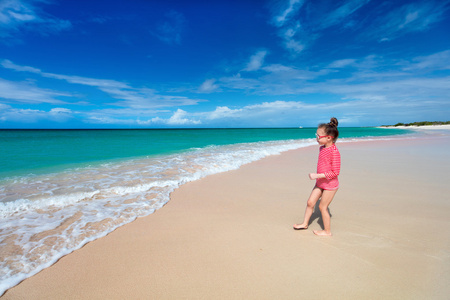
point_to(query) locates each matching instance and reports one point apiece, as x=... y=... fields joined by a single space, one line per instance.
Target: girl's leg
x=327 y=197
x=316 y=193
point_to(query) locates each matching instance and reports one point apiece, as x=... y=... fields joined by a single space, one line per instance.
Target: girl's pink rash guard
x=329 y=163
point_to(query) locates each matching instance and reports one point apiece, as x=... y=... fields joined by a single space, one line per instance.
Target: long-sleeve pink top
x=329 y=163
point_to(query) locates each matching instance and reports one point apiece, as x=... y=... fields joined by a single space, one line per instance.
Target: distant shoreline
x=420 y=127
x=419 y=124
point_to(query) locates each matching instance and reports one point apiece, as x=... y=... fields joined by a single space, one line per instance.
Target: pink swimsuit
x=329 y=163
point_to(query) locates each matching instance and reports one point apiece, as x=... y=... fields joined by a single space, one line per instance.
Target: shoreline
x=229 y=235
x=424 y=127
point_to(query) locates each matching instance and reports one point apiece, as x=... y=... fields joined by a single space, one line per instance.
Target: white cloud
x=277 y=79
x=18 y=15
x=294 y=46
x=409 y=91
x=26 y=93
x=256 y=61
x=283 y=16
x=222 y=112
x=131 y=97
x=294 y=39
x=411 y=17
x=179 y=118
x=342 y=12
x=105 y=120
x=255 y=113
x=366 y=107
x=100 y=83
x=60 y=110
x=342 y=63
x=15 y=11
x=437 y=61
x=208 y=86
x=278 y=68
x=362 y=104
x=289 y=21
x=299 y=24
x=286 y=19
x=124 y=112
x=60 y=114
x=278 y=105
x=9 y=114
x=6 y=63
x=374 y=80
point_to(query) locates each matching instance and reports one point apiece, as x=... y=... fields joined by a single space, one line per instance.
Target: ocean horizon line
x=180 y=128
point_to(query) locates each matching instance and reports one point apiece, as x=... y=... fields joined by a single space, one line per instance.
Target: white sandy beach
x=230 y=236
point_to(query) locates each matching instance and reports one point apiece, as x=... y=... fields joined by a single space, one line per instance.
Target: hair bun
x=333 y=122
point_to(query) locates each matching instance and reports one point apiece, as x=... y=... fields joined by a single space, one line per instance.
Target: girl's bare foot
x=300 y=227
x=322 y=233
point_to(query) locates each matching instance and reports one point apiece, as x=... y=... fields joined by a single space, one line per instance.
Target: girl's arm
x=313 y=176
x=335 y=168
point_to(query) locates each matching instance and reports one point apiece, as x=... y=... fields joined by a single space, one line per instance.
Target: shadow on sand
x=317 y=215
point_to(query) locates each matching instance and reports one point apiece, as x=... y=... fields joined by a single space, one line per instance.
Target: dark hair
x=331 y=128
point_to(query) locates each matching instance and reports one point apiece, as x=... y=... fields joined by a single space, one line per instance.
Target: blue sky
x=165 y=64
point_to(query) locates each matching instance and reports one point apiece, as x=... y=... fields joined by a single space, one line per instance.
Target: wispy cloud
x=25 y=92
x=411 y=90
x=178 y=118
x=286 y=19
x=22 y=15
x=341 y=12
x=342 y=63
x=208 y=86
x=367 y=78
x=10 y=114
x=267 y=113
x=412 y=17
x=301 y=23
x=273 y=79
x=294 y=14
x=129 y=96
x=284 y=11
x=437 y=61
x=364 y=104
x=256 y=61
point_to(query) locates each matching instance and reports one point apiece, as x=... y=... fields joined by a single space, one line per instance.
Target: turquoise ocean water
x=39 y=151
x=60 y=189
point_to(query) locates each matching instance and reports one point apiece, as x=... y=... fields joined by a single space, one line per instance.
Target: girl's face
x=323 y=138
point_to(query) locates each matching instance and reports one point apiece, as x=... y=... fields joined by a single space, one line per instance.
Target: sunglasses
x=321 y=136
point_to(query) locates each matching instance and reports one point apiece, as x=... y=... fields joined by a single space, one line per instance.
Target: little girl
x=327 y=184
